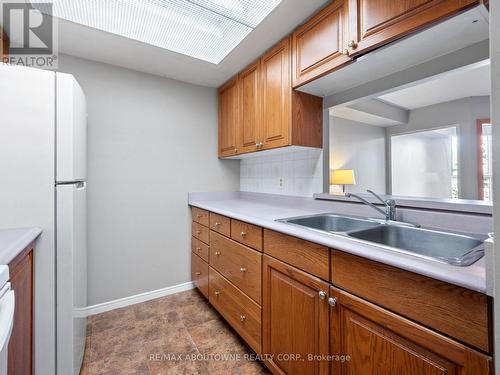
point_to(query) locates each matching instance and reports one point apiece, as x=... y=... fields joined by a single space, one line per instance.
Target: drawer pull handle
x=242 y=318
x=198 y=273
x=217 y=224
x=198 y=216
x=322 y=294
x=217 y=253
x=243 y=269
x=198 y=249
x=332 y=301
x=243 y=234
x=217 y=293
x=198 y=232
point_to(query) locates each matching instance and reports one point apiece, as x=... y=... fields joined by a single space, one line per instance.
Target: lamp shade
x=342 y=177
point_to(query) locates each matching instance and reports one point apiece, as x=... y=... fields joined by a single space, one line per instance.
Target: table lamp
x=342 y=177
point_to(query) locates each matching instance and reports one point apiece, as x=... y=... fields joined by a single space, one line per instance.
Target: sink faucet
x=389 y=204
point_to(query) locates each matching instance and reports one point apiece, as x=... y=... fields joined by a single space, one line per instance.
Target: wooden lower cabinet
x=199 y=274
x=241 y=312
x=366 y=339
x=20 y=352
x=295 y=319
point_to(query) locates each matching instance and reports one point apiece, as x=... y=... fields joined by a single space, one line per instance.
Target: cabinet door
x=228 y=118
x=276 y=96
x=366 y=340
x=295 y=320
x=249 y=125
x=21 y=341
x=199 y=273
x=320 y=45
x=376 y=22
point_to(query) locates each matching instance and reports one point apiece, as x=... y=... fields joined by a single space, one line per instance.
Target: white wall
x=463 y=113
x=358 y=146
x=151 y=140
x=287 y=172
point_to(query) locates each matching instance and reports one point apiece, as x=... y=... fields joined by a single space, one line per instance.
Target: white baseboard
x=132 y=300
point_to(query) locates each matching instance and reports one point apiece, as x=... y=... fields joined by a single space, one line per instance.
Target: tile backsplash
x=297 y=173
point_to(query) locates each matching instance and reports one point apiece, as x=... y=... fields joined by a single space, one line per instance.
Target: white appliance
x=7 y=306
x=43 y=143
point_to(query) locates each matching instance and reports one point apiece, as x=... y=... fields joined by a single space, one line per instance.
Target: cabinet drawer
x=220 y=224
x=248 y=234
x=200 y=216
x=243 y=314
x=199 y=248
x=239 y=264
x=449 y=309
x=302 y=254
x=199 y=273
x=200 y=232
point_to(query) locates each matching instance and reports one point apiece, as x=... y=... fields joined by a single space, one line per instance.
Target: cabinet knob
x=217 y=293
x=332 y=301
x=198 y=273
x=243 y=234
x=322 y=294
x=243 y=269
x=198 y=216
x=242 y=318
x=198 y=232
x=352 y=44
x=217 y=224
x=257 y=145
x=217 y=253
x=198 y=249
x=261 y=144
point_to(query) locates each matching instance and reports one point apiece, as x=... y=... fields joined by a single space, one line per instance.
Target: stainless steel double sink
x=450 y=248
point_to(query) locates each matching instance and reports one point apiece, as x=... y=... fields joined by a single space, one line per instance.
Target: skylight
x=205 y=29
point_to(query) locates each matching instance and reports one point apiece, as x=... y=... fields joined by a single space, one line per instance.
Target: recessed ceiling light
x=205 y=29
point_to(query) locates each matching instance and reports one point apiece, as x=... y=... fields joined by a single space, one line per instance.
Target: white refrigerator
x=43 y=171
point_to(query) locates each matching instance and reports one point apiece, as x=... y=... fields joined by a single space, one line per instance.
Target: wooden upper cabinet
x=381 y=342
x=295 y=320
x=319 y=46
x=228 y=118
x=376 y=22
x=249 y=129
x=276 y=96
x=268 y=113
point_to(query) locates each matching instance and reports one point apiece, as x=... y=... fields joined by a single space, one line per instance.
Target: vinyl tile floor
x=176 y=334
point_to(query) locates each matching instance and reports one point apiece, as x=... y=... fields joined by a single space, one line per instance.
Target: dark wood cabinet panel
x=295 y=319
x=228 y=118
x=377 y=22
x=320 y=45
x=5 y=44
x=377 y=341
x=20 y=352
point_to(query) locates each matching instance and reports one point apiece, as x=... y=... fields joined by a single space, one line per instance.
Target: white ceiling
x=92 y=44
x=361 y=116
x=444 y=88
